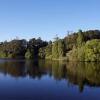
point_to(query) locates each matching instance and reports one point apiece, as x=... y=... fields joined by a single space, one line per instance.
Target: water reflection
x=83 y=74
x=80 y=74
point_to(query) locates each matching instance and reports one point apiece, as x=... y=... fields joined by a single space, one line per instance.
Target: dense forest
x=77 y=46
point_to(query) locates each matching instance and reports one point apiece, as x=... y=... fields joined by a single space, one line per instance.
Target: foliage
x=80 y=38
x=29 y=54
x=14 y=48
x=35 y=45
x=55 y=54
x=61 y=48
x=41 y=53
x=88 y=52
x=58 y=49
x=2 y=54
x=72 y=55
x=71 y=40
x=92 y=50
x=48 y=51
x=19 y=48
x=78 y=46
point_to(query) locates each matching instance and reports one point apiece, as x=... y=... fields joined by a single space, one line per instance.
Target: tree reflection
x=75 y=73
x=83 y=74
x=14 y=69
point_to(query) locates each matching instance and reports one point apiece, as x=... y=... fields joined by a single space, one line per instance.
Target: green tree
x=61 y=48
x=87 y=52
x=55 y=54
x=80 y=38
x=48 y=51
x=41 y=53
x=35 y=45
x=81 y=53
x=29 y=54
x=92 y=50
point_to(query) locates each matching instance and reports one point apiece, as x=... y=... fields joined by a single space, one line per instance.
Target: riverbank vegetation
x=77 y=46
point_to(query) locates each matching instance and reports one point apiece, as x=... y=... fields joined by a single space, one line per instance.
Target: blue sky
x=46 y=18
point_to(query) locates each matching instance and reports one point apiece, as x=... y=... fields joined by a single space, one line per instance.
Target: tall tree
x=80 y=38
x=55 y=53
x=61 y=48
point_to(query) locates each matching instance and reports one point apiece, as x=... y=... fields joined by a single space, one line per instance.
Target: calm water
x=48 y=80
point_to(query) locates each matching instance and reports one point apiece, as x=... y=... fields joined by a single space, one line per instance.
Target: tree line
x=21 y=48
x=77 y=46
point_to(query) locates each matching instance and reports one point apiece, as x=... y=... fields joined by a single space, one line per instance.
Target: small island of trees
x=78 y=46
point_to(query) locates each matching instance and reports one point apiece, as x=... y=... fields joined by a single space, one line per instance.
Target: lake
x=49 y=80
